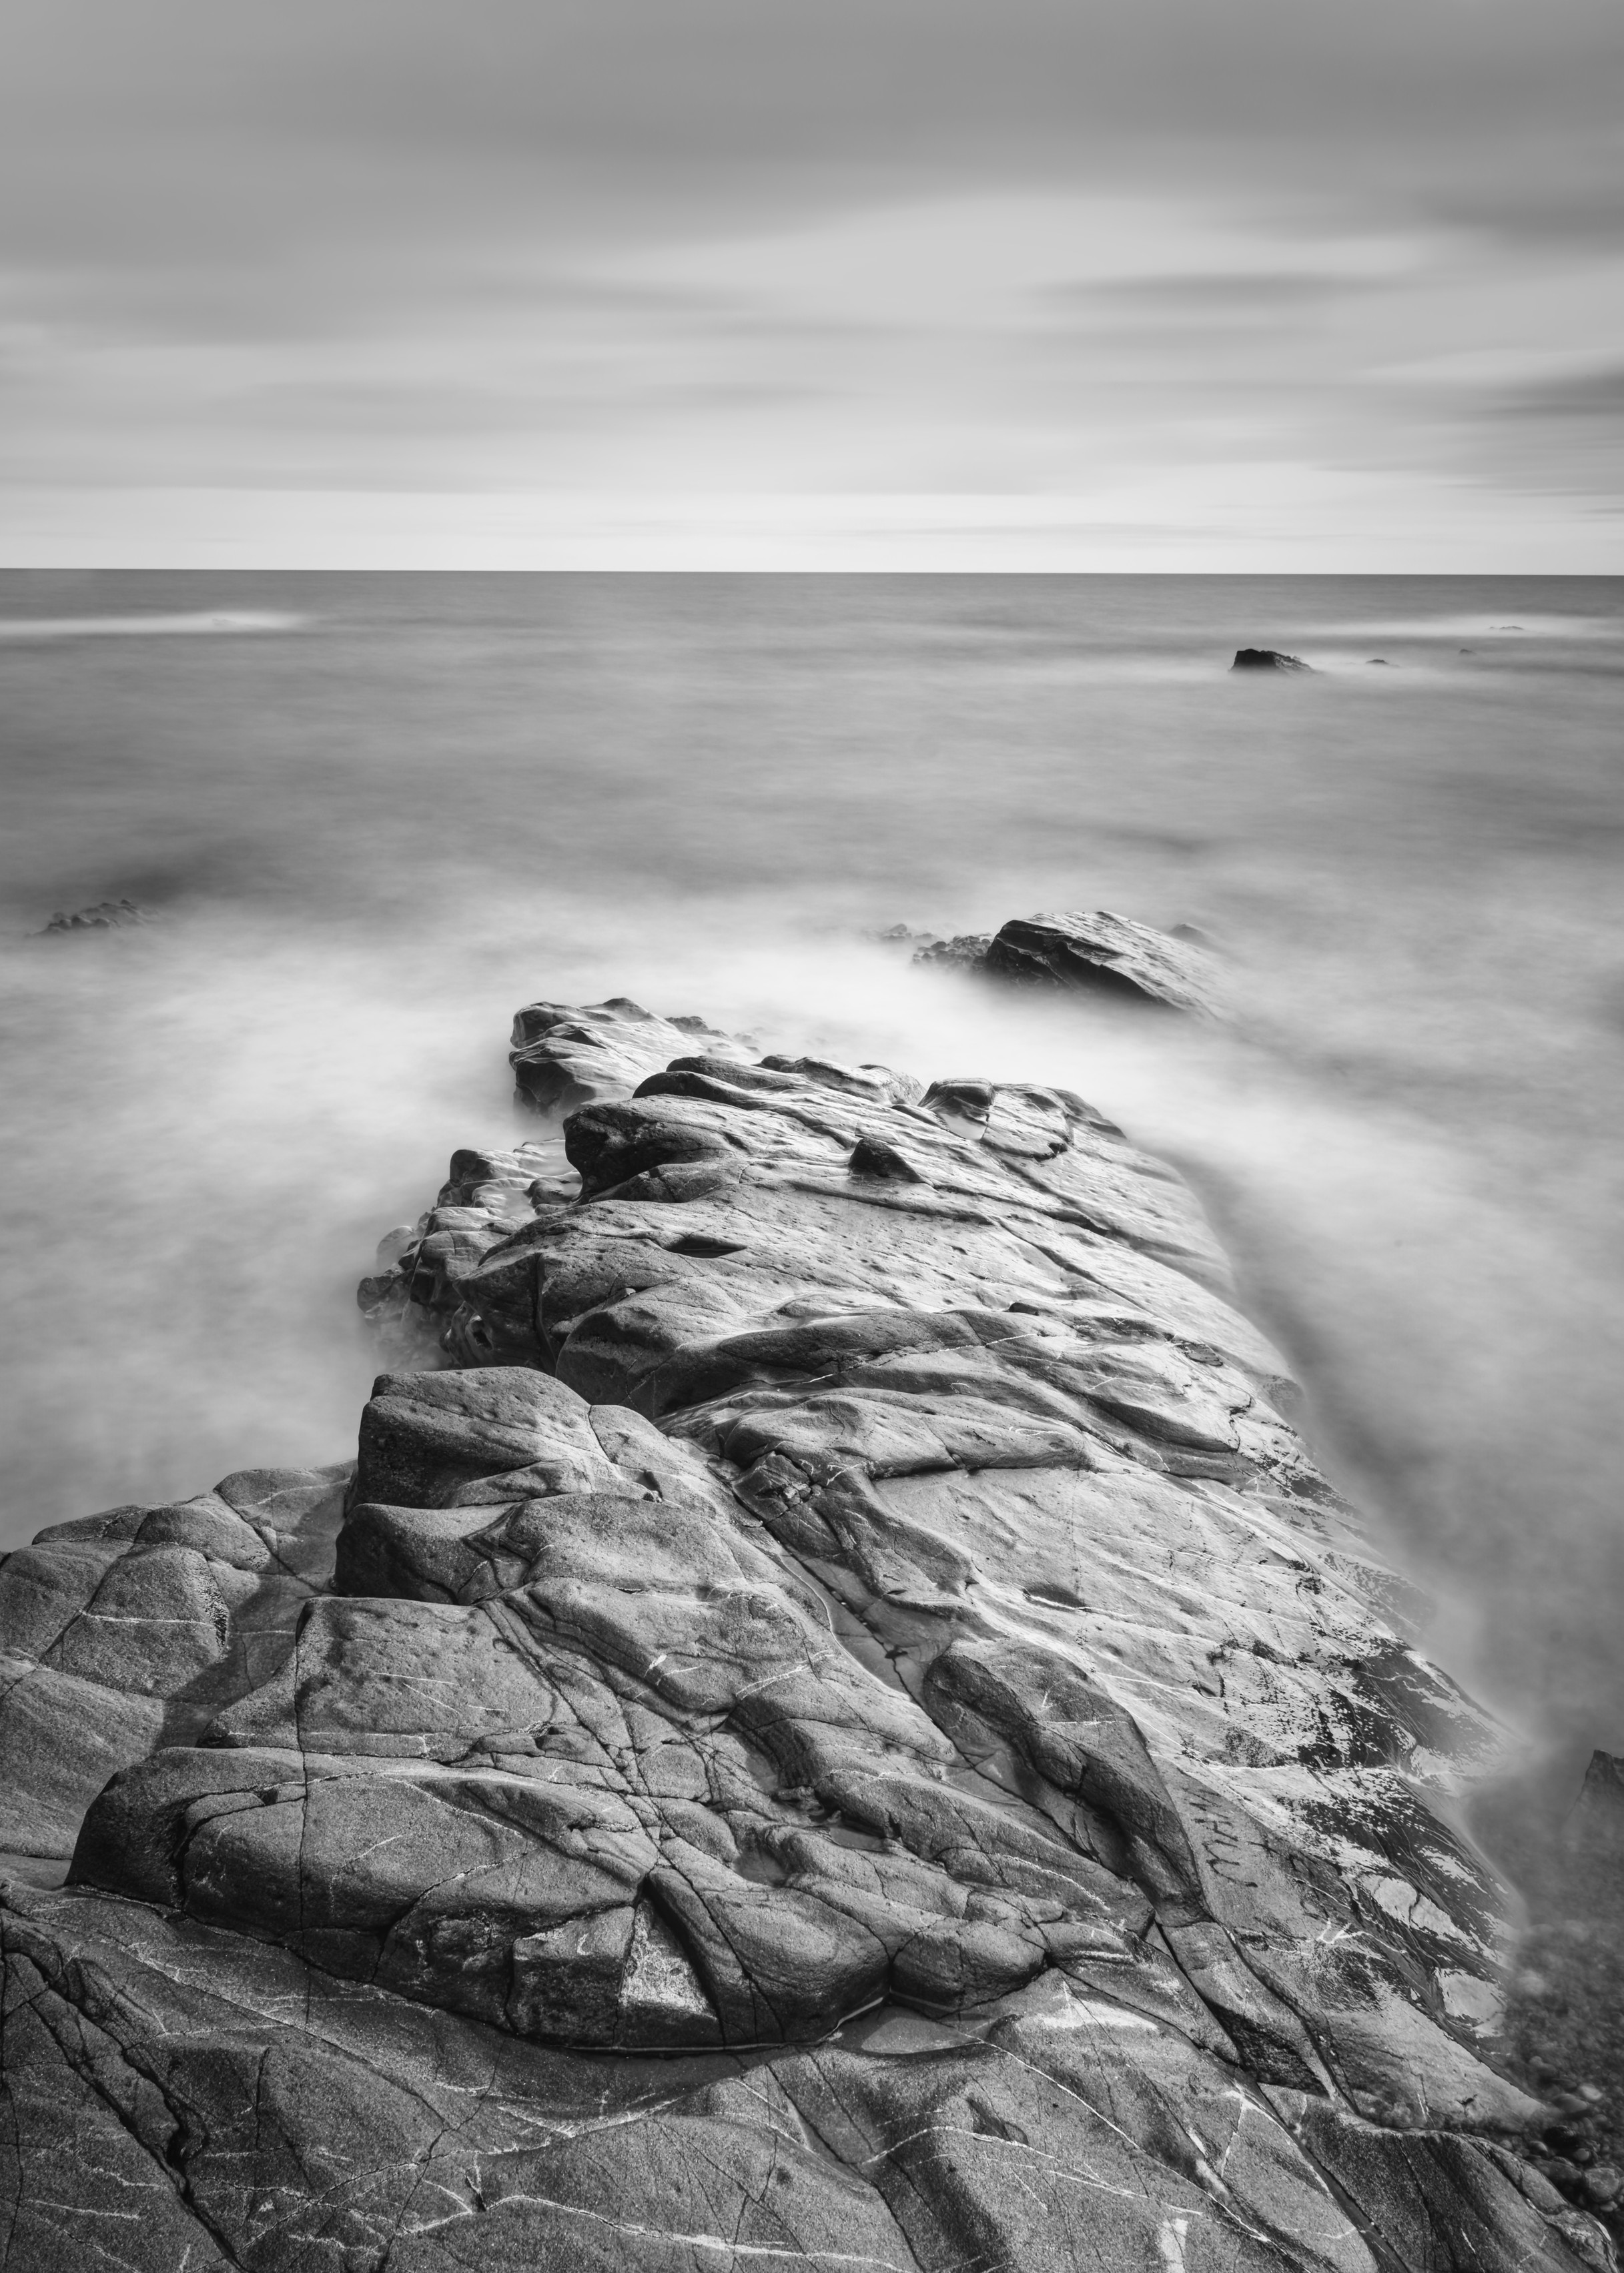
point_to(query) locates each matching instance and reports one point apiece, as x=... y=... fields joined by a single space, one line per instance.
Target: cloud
x=1588 y=394
x=892 y=244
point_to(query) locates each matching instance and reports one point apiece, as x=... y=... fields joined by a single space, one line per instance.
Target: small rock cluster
x=106 y=915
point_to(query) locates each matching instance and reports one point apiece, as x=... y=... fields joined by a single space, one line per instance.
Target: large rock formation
x=843 y=1727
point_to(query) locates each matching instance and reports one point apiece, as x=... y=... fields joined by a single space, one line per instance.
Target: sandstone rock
x=1266 y=658
x=1110 y=957
x=866 y=1741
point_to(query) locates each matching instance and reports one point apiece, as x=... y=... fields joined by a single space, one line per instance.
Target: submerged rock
x=1108 y=956
x=965 y=952
x=1266 y=658
x=106 y=915
x=866 y=1741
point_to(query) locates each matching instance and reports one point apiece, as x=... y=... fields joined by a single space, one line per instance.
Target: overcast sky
x=1092 y=283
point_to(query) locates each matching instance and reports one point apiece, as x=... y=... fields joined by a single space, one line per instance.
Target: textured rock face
x=1109 y=956
x=130 y=1630
x=865 y=1741
x=564 y=1055
x=965 y=952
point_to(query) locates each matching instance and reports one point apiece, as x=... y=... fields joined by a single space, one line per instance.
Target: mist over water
x=374 y=815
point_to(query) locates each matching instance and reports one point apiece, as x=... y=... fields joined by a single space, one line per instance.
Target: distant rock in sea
x=1107 y=955
x=107 y=915
x=901 y=934
x=1266 y=658
x=1597 y=1823
x=966 y=952
x=1093 y=951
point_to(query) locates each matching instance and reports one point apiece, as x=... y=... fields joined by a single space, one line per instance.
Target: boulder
x=1266 y=658
x=1109 y=957
x=563 y=1054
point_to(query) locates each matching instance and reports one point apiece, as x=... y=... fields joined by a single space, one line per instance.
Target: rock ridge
x=834 y=1719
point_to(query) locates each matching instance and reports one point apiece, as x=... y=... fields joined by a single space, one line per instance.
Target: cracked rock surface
x=834 y=1721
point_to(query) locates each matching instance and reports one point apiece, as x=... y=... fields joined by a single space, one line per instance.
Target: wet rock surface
x=1110 y=958
x=567 y=1054
x=1268 y=658
x=860 y=1739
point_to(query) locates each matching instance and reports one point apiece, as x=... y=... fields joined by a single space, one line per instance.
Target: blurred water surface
x=372 y=813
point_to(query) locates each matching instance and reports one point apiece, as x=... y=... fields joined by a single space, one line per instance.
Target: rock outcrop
x=861 y=1740
x=564 y=1055
x=1268 y=658
x=1109 y=957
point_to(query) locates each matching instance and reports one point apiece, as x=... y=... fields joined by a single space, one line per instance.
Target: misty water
x=372 y=814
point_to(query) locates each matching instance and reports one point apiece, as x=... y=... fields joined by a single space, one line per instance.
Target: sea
x=370 y=815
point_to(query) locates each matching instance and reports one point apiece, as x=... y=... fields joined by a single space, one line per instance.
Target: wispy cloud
x=1051 y=250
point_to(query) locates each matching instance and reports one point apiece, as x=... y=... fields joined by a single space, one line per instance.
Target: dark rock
x=1266 y=658
x=1595 y=1827
x=873 y=1745
x=1109 y=956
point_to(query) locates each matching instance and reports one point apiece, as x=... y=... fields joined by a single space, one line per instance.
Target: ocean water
x=371 y=814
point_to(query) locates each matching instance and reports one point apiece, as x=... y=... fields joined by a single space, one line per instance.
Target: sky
x=1091 y=284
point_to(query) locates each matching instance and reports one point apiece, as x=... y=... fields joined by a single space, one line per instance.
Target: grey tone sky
x=1154 y=283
